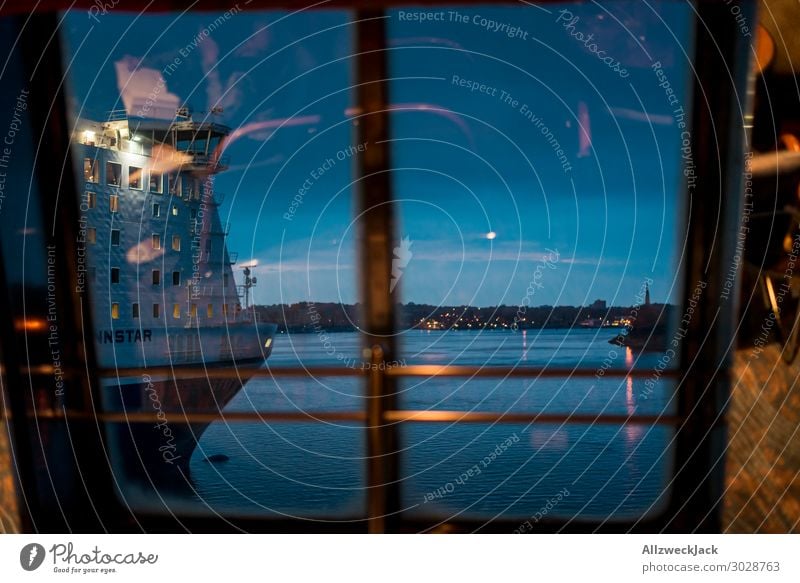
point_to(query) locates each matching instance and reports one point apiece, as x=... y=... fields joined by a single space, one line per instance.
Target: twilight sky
x=510 y=121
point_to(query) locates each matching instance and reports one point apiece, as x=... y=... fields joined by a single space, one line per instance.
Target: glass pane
x=523 y=472
x=541 y=177
x=540 y=185
x=227 y=157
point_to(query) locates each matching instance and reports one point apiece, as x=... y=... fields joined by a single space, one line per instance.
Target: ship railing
x=211 y=161
x=117 y=115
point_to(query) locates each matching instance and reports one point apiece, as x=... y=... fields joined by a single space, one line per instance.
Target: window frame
x=693 y=502
x=109 y=166
x=141 y=178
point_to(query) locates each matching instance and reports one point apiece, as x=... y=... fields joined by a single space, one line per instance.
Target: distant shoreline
x=421 y=330
x=317 y=317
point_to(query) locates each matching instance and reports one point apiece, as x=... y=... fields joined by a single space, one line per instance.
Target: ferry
x=152 y=251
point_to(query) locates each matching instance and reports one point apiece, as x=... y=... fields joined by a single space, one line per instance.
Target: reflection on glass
x=536 y=472
x=245 y=142
x=540 y=186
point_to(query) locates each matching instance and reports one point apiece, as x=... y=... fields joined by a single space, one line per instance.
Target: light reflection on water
x=317 y=468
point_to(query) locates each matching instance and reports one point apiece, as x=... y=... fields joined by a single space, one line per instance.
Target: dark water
x=478 y=470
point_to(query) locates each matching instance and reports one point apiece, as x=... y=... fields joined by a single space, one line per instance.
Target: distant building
x=598 y=305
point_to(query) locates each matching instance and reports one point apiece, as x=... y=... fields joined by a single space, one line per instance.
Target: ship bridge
x=192 y=146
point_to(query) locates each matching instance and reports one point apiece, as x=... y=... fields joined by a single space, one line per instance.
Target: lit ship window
x=156 y=241
x=174 y=210
x=91 y=235
x=176 y=311
x=193 y=311
x=135 y=177
x=210 y=311
x=113 y=174
x=91 y=199
x=155 y=182
x=115 y=311
x=113 y=203
x=176 y=242
x=91 y=172
x=173 y=185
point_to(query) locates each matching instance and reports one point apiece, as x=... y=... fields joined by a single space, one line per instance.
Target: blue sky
x=465 y=163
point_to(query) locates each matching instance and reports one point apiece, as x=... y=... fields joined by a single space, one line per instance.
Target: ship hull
x=156 y=453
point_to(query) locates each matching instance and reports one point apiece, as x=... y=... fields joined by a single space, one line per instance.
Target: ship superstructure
x=156 y=261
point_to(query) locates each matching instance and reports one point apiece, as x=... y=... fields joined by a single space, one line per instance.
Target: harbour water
x=476 y=470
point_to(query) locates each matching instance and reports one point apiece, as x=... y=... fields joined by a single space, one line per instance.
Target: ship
x=152 y=250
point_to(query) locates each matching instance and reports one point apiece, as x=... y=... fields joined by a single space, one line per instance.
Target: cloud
x=144 y=91
x=256 y=44
x=634 y=115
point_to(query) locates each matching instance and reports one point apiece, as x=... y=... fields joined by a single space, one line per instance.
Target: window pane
x=540 y=193
x=113 y=174
x=155 y=182
x=134 y=177
x=261 y=102
x=518 y=471
x=91 y=172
